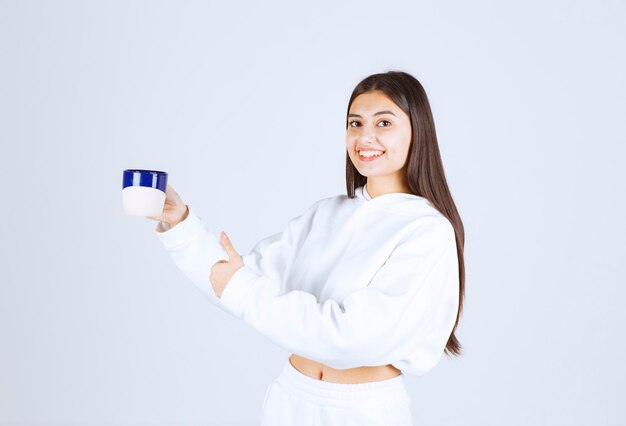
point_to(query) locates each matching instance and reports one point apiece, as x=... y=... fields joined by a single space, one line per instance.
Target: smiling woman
x=384 y=297
x=411 y=161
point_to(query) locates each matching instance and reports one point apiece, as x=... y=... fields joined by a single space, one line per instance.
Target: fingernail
x=223 y=235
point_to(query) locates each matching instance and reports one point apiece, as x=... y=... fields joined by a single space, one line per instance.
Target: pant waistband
x=341 y=394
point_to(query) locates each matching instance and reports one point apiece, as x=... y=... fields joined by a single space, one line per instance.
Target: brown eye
x=351 y=122
x=384 y=121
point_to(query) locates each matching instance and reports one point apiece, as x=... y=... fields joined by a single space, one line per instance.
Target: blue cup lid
x=147 y=178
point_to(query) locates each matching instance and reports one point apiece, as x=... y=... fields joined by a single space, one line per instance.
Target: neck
x=376 y=188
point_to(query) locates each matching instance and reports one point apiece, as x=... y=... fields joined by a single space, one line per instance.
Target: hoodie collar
x=362 y=193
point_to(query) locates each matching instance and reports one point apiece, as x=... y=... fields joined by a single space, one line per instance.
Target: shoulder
x=320 y=204
x=413 y=211
x=307 y=215
x=332 y=202
x=435 y=224
x=430 y=230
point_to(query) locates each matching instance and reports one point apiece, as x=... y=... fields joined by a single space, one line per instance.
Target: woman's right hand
x=174 y=210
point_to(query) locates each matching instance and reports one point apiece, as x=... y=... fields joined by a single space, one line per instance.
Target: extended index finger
x=228 y=245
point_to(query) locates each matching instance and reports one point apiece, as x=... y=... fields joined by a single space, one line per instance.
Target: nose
x=367 y=136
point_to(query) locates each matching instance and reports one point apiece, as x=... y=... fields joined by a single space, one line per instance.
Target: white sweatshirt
x=350 y=282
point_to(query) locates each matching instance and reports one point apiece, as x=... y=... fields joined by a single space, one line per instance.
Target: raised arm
x=194 y=248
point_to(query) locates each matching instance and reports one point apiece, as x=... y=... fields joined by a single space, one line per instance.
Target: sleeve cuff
x=237 y=289
x=180 y=234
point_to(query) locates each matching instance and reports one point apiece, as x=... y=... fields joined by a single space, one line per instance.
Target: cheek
x=401 y=149
x=393 y=152
x=350 y=145
x=396 y=155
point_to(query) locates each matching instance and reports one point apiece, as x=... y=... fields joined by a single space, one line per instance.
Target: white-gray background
x=244 y=105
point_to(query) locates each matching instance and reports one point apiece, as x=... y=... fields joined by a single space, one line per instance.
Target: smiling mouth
x=370 y=158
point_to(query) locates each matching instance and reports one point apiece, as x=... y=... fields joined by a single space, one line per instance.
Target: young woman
x=361 y=288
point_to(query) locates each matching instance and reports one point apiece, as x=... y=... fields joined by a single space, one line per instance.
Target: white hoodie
x=350 y=282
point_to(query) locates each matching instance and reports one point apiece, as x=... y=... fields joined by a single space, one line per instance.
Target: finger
x=228 y=245
x=169 y=190
x=172 y=195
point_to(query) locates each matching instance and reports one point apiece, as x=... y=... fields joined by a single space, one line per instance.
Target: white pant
x=295 y=399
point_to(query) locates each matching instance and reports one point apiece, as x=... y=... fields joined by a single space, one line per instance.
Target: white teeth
x=370 y=153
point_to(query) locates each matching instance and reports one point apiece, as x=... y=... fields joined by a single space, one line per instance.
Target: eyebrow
x=376 y=113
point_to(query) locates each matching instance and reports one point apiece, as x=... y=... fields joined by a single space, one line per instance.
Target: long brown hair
x=424 y=170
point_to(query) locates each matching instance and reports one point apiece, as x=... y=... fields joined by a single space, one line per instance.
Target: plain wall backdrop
x=243 y=104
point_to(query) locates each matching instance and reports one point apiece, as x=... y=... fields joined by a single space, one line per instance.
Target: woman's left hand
x=223 y=270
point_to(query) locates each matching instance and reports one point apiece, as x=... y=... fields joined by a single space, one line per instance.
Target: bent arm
x=410 y=306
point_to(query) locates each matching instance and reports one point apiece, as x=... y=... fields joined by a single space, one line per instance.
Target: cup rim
x=145 y=171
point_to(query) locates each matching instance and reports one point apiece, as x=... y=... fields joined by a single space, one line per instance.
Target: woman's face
x=376 y=123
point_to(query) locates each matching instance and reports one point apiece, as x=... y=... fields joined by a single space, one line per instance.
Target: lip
x=369 y=148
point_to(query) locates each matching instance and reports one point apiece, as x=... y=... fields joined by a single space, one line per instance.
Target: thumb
x=228 y=246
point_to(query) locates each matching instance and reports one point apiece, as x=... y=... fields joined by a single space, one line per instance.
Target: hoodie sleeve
x=194 y=248
x=409 y=306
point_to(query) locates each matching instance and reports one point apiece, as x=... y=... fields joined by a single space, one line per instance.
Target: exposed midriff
x=323 y=372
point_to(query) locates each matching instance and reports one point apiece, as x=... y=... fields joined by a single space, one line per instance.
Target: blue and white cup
x=143 y=192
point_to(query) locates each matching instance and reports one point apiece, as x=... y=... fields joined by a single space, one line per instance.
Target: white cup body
x=143 y=201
